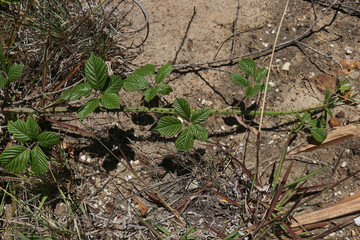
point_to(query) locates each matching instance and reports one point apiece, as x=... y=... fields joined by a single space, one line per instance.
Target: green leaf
x=168 y=126
x=247 y=65
x=261 y=87
x=185 y=141
x=149 y=94
x=319 y=134
x=38 y=161
x=3 y=82
x=306 y=116
x=260 y=74
x=135 y=82
x=19 y=130
x=200 y=115
x=163 y=72
x=239 y=79
x=163 y=89
x=81 y=90
x=327 y=96
x=345 y=87
x=15 y=72
x=199 y=132
x=250 y=91
x=48 y=139
x=15 y=158
x=182 y=108
x=96 y=72
x=147 y=70
x=110 y=100
x=314 y=123
x=32 y=128
x=115 y=84
x=88 y=108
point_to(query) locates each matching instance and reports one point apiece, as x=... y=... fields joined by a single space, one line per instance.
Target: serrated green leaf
x=319 y=134
x=247 y=65
x=239 y=79
x=200 y=115
x=88 y=108
x=185 y=141
x=149 y=94
x=199 y=132
x=135 y=82
x=32 y=128
x=163 y=72
x=261 y=87
x=250 y=91
x=115 y=84
x=260 y=74
x=38 y=161
x=314 y=123
x=163 y=89
x=182 y=108
x=147 y=70
x=15 y=158
x=306 y=116
x=48 y=139
x=19 y=130
x=15 y=72
x=96 y=72
x=110 y=100
x=81 y=90
x=168 y=126
x=3 y=82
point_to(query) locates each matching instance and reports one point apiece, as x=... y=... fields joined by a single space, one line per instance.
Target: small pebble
x=83 y=158
x=340 y=114
x=343 y=164
x=348 y=50
x=334 y=122
x=286 y=66
x=265 y=44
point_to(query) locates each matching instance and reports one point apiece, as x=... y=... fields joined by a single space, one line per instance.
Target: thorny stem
x=158 y=110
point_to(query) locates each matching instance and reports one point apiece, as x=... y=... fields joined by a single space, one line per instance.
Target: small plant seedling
x=137 y=81
x=15 y=158
x=97 y=79
x=170 y=126
x=248 y=66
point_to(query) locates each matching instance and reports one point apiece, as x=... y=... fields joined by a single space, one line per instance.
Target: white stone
x=83 y=158
x=348 y=50
x=343 y=164
x=286 y=66
x=265 y=44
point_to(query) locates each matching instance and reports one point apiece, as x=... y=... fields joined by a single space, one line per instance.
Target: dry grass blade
x=337 y=210
x=334 y=137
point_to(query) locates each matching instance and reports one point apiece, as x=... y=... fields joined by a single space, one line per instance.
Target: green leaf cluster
x=97 y=79
x=8 y=71
x=248 y=66
x=170 y=126
x=138 y=82
x=15 y=158
x=317 y=124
